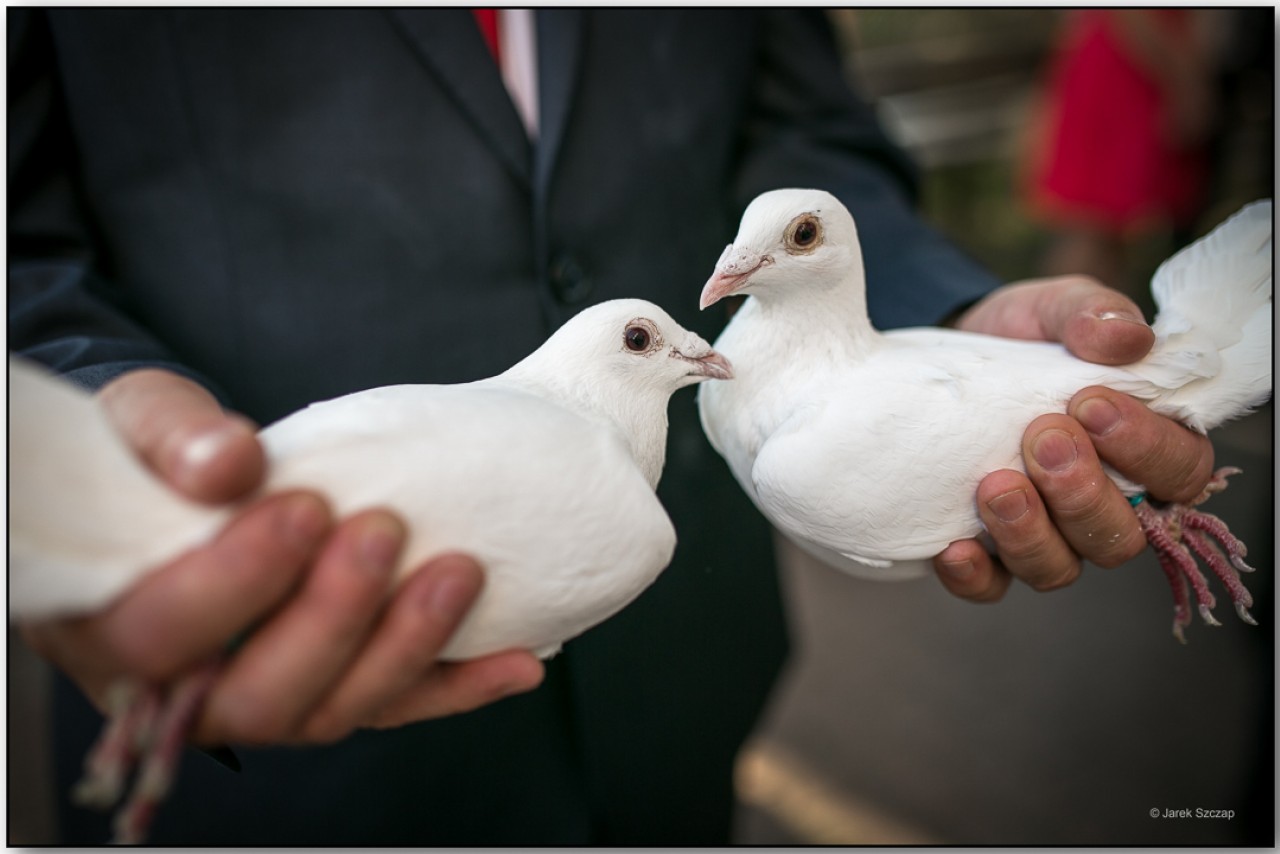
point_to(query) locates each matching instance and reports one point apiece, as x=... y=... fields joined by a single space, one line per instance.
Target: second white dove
x=866 y=448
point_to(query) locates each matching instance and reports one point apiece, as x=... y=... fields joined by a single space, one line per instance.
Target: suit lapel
x=560 y=39
x=449 y=43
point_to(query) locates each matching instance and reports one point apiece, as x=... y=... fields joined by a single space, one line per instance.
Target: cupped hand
x=329 y=643
x=1065 y=510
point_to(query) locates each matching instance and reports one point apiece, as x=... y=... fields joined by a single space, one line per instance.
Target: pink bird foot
x=145 y=730
x=1178 y=534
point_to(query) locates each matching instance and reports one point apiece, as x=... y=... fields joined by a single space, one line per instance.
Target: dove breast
x=880 y=465
x=550 y=503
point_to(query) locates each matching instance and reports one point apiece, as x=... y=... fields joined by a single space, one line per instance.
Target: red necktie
x=488 y=21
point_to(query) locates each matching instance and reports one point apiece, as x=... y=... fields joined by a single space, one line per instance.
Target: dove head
x=620 y=361
x=636 y=346
x=791 y=243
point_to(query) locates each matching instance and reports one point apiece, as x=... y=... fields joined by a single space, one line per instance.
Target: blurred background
x=910 y=717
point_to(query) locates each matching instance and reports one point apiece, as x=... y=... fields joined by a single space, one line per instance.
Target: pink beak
x=732 y=271
x=711 y=365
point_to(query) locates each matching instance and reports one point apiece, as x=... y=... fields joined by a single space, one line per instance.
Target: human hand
x=331 y=649
x=1065 y=510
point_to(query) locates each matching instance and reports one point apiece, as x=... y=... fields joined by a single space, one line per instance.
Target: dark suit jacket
x=293 y=204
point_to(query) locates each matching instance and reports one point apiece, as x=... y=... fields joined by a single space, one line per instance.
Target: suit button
x=569 y=282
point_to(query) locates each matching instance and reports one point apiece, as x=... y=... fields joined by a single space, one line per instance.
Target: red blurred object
x=488 y=21
x=1117 y=149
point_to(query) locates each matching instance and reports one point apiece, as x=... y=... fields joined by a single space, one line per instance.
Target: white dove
x=866 y=448
x=545 y=474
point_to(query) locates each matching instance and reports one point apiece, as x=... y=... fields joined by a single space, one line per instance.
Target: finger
x=288 y=664
x=190 y=609
x=1094 y=322
x=456 y=687
x=1093 y=516
x=424 y=614
x=967 y=571
x=180 y=431
x=1029 y=544
x=1172 y=462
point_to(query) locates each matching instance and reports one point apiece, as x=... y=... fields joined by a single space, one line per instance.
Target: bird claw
x=97 y=791
x=1179 y=534
x=1217 y=483
x=144 y=730
x=1207 y=615
x=1238 y=562
x=130 y=714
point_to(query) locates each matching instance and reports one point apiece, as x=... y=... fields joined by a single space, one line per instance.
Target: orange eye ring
x=804 y=234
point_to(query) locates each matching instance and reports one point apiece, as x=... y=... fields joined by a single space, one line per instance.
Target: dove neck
x=836 y=320
x=638 y=417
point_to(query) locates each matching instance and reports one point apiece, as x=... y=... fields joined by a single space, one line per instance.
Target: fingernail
x=380 y=544
x=1098 y=415
x=1010 y=506
x=450 y=595
x=1054 y=450
x=305 y=519
x=1126 y=316
x=199 y=450
x=960 y=570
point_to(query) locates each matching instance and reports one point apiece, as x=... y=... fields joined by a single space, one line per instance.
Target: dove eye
x=639 y=336
x=804 y=234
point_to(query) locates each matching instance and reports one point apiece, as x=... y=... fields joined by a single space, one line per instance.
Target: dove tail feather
x=1212 y=359
x=86 y=518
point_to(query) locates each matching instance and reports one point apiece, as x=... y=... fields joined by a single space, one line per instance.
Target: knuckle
x=1037 y=559
x=1055 y=578
x=250 y=720
x=137 y=654
x=1189 y=482
x=1175 y=461
x=1123 y=547
x=325 y=727
x=990 y=593
x=1021 y=551
x=1098 y=527
x=1082 y=503
x=1078 y=495
x=1026 y=542
x=347 y=608
x=265 y=546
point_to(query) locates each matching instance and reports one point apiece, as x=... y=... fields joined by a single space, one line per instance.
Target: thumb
x=1094 y=322
x=181 y=432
